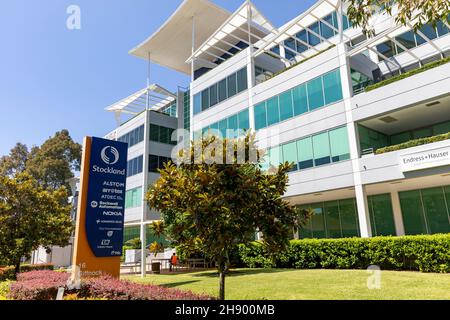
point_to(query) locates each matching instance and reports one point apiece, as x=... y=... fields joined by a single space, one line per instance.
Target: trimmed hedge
x=7 y=273
x=426 y=253
x=402 y=76
x=414 y=143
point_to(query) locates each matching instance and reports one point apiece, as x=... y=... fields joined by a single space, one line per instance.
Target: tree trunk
x=17 y=268
x=222 y=284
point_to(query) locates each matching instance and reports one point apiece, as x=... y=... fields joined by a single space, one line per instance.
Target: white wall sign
x=425 y=159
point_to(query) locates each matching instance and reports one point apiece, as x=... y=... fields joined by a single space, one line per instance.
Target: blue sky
x=53 y=78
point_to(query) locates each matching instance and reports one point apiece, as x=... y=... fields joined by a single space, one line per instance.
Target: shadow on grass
x=177 y=284
x=239 y=272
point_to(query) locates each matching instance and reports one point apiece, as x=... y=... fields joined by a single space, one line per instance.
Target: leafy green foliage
x=426 y=253
x=211 y=204
x=51 y=164
x=134 y=243
x=31 y=216
x=408 y=74
x=418 y=12
x=414 y=143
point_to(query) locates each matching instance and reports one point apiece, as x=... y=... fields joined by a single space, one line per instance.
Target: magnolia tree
x=417 y=12
x=218 y=197
x=30 y=217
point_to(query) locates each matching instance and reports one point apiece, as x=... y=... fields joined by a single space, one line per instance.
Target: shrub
x=426 y=253
x=7 y=273
x=115 y=289
x=414 y=143
x=44 y=285
x=426 y=67
x=38 y=285
x=4 y=289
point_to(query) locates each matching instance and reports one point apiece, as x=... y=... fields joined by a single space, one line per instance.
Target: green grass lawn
x=285 y=284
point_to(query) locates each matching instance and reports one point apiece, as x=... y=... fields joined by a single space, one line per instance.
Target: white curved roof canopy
x=171 y=45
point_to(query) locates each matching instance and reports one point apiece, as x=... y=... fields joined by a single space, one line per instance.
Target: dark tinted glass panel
x=242 y=80
x=301 y=46
x=349 y=218
x=412 y=212
x=442 y=29
x=213 y=96
x=325 y=30
x=232 y=85
x=407 y=39
x=205 y=99
x=222 y=90
x=382 y=217
x=313 y=39
x=429 y=31
x=434 y=203
x=387 y=49
x=332 y=219
x=318 y=222
x=154 y=132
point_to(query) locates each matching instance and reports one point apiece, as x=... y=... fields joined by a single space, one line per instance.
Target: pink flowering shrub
x=37 y=285
x=43 y=285
x=115 y=289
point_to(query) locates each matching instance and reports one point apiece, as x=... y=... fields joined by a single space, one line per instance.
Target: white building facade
x=364 y=120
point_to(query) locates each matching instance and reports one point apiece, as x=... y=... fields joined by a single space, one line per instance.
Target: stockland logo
x=109 y=155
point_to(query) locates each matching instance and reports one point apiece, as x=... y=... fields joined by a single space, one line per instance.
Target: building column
x=353 y=140
x=397 y=211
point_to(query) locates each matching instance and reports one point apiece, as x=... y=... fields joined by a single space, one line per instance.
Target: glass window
x=154 y=132
x=315 y=94
x=300 y=98
x=436 y=210
x=429 y=31
x=233 y=122
x=313 y=39
x=441 y=128
x=349 y=218
x=325 y=30
x=260 y=116
x=407 y=39
x=321 y=147
x=422 y=133
x=332 y=87
x=141 y=133
x=332 y=218
x=244 y=123
x=140 y=161
x=223 y=125
x=273 y=113
x=386 y=48
x=381 y=215
x=290 y=154
x=306 y=231
x=305 y=153
x=222 y=90
x=213 y=95
x=302 y=35
x=232 y=85
x=197 y=103
x=442 y=29
x=290 y=43
x=340 y=149
x=286 y=110
x=275 y=156
x=153 y=163
x=318 y=222
x=412 y=212
x=205 y=99
x=242 y=80
x=400 y=138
